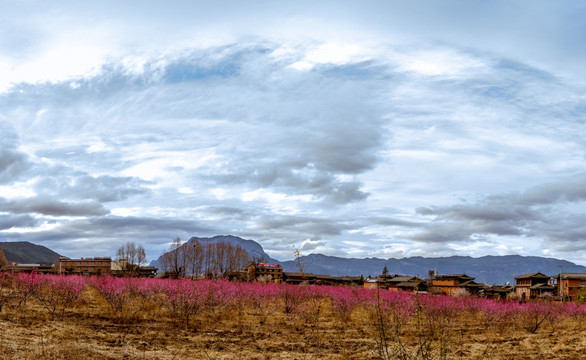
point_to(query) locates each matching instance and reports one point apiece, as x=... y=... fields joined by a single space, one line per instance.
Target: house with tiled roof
x=270 y=272
x=498 y=291
x=568 y=285
x=297 y=278
x=533 y=285
x=454 y=284
x=396 y=283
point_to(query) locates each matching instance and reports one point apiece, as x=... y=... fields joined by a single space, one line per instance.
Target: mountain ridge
x=490 y=269
x=253 y=248
x=25 y=252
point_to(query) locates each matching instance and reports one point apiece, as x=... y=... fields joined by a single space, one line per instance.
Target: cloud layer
x=332 y=130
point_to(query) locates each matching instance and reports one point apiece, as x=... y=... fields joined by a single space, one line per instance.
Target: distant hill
x=24 y=252
x=486 y=269
x=254 y=250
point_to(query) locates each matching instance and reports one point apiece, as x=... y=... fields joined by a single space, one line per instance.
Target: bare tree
x=209 y=259
x=130 y=257
x=220 y=258
x=140 y=256
x=299 y=262
x=241 y=258
x=175 y=260
x=208 y=249
x=194 y=254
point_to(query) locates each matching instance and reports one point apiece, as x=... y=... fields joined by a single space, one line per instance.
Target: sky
x=354 y=129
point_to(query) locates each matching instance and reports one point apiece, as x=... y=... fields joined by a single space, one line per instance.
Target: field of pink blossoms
x=71 y=317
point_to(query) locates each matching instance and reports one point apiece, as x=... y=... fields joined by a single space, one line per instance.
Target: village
x=328 y=316
x=560 y=287
x=563 y=286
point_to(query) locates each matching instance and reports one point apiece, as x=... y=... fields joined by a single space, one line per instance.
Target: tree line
x=192 y=258
x=210 y=259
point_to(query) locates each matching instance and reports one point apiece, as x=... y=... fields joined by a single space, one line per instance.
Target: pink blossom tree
x=57 y=293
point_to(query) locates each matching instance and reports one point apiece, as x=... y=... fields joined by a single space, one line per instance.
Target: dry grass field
x=91 y=329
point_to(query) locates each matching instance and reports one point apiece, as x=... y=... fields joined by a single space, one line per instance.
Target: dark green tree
x=385 y=271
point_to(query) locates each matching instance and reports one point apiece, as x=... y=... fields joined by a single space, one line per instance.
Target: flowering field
x=56 y=317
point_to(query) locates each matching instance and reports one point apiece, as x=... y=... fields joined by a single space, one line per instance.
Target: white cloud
x=440 y=62
x=17 y=190
x=298 y=125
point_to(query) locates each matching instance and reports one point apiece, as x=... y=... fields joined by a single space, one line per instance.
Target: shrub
x=292 y=296
x=344 y=300
x=126 y=296
x=26 y=286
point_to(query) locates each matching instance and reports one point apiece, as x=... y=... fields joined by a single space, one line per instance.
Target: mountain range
x=486 y=269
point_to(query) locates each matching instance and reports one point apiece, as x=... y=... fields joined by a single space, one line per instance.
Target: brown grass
x=91 y=330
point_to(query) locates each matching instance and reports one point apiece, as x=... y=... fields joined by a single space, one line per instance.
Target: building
x=498 y=292
x=411 y=284
x=454 y=284
x=85 y=266
x=379 y=282
x=406 y=283
x=270 y=272
x=371 y=284
x=340 y=280
x=121 y=268
x=147 y=271
x=297 y=278
x=396 y=283
x=533 y=285
x=568 y=285
x=15 y=267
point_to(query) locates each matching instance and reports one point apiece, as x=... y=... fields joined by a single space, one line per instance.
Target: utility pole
x=560 y=289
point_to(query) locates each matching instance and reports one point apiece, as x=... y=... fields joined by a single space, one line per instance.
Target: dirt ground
x=93 y=331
